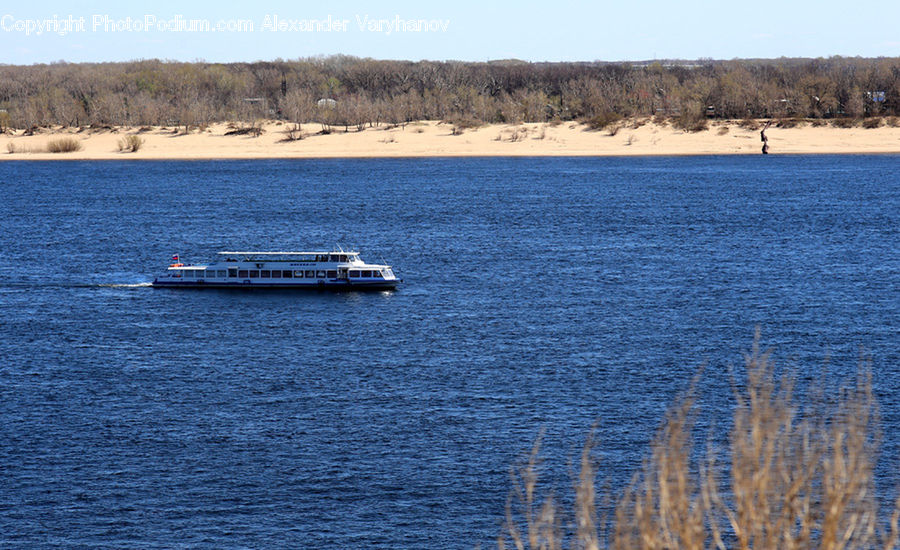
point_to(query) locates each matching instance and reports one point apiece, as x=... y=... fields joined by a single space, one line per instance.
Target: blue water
x=540 y=294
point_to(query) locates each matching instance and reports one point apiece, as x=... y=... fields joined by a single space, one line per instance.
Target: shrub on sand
x=293 y=132
x=461 y=123
x=603 y=120
x=787 y=123
x=63 y=145
x=16 y=148
x=872 y=123
x=690 y=120
x=131 y=144
x=845 y=122
x=254 y=129
x=749 y=124
x=795 y=475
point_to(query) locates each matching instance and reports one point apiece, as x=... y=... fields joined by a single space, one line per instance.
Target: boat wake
x=46 y=285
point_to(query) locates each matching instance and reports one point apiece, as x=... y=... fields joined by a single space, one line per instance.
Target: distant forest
x=353 y=92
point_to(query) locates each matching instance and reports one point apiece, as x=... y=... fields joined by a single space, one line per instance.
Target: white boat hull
x=332 y=270
x=338 y=284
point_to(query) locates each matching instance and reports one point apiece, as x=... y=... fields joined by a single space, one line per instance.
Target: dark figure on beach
x=765 y=140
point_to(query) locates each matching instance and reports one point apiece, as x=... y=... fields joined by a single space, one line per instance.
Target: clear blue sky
x=561 y=30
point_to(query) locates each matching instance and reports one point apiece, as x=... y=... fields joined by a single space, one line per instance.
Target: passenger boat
x=336 y=269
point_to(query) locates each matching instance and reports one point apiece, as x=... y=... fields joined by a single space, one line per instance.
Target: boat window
x=310 y=273
x=367 y=274
x=343 y=258
x=376 y=274
x=320 y=274
x=287 y=274
x=220 y=273
x=298 y=274
x=264 y=274
x=242 y=274
x=276 y=273
x=210 y=273
x=332 y=274
x=178 y=273
x=254 y=273
x=354 y=274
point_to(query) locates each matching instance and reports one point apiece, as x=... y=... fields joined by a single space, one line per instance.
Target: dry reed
x=63 y=145
x=794 y=475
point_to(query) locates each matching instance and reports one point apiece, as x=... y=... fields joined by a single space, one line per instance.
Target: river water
x=540 y=295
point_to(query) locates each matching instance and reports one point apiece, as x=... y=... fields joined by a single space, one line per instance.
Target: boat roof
x=201 y=267
x=253 y=253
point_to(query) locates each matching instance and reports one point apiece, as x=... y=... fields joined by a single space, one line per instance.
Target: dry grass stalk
x=662 y=508
x=795 y=475
x=585 y=508
x=848 y=502
x=800 y=482
x=773 y=461
x=542 y=531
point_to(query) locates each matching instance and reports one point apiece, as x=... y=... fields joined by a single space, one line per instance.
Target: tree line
x=355 y=92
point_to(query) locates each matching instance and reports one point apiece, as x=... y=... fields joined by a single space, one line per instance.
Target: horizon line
x=507 y=60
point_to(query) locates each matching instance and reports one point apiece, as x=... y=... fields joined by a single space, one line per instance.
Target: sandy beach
x=432 y=138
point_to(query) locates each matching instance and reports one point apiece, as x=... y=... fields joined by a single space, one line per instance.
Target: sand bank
x=636 y=137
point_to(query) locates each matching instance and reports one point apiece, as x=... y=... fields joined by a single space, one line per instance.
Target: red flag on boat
x=175 y=258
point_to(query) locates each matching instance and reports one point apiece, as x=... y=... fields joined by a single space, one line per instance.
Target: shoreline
x=633 y=137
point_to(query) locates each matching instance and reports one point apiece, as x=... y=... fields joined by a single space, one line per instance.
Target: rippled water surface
x=539 y=293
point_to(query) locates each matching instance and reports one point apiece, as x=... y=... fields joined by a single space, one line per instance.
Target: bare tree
x=369 y=91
